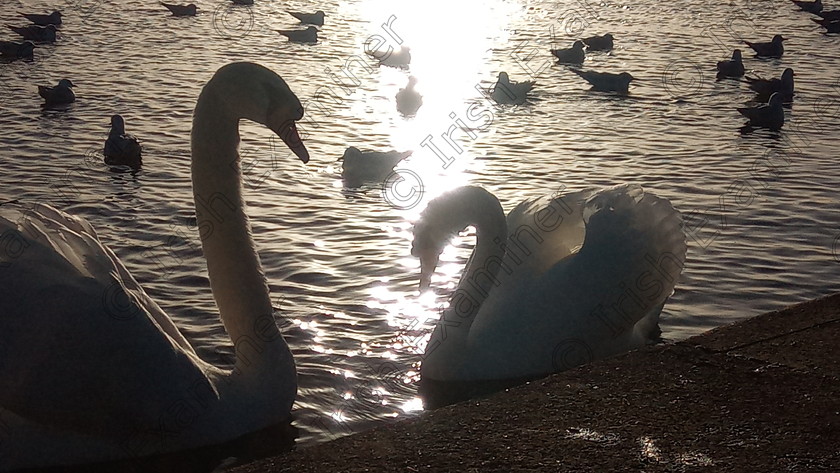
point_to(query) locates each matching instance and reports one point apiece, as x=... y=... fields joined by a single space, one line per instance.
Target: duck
x=770 y=115
x=316 y=18
x=774 y=48
x=40 y=34
x=93 y=369
x=599 y=43
x=122 y=149
x=573 y=55
x=15 y=50
x=308 y=35
x=400 y=59
x=607 y=81
x=361 y=167
x=408 y=99
x=732 y=68
x=510 y=93
x=586 y=272
x=58 y=95
x=53 y=18
x=181 y=10
x=767 y=87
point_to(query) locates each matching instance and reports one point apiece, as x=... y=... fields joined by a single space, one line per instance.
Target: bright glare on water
x=762 y=207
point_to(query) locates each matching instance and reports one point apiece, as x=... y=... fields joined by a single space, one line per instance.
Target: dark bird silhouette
x=316 y=18
x=309 y=35
x=830 y=15
x=53 y=18
x=810 y=7
x=772 y=49
x=120 y=148
x=511 y=93
x=181 y=10
x=599 y=43
x=573 y=55
x=58 y=95
x=831 y=26
x=14 y=50
x=42 y=34
x=731 y=68
x=607 y=81
x=770 y=115
x=767 y=87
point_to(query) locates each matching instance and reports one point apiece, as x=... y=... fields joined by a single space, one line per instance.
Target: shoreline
x=762 y=394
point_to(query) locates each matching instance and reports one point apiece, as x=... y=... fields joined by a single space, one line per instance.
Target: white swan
x=563 y=280
x=92 y=368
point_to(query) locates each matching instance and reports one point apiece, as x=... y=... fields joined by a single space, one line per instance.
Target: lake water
x=761 y=207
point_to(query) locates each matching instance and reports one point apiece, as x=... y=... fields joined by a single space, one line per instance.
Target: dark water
x=762 y=207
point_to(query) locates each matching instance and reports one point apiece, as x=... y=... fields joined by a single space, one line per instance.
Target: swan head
x=66 y=83
x=736 y=55
x=577 y=45
x=787 y=75
x=253 y=92
x=503 y=77
x=778 y=39
x=447 y=215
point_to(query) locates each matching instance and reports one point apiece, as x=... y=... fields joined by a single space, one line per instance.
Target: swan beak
x=289 y=134
x=428 y=263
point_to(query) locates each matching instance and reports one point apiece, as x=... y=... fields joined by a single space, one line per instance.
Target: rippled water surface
x=762 y=207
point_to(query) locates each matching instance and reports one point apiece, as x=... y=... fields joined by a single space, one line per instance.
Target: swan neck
x=236 y=277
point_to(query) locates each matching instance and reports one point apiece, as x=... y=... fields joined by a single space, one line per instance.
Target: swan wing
x=602 y=299
x=82 y=347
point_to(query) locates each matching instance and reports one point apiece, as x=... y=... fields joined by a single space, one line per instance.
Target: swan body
x=122 y=149
x=774 y=48
x=731 y=68
x=309 y=35
x=359 y=167
x=181 y=10
x=408 y=99
x=599 y=43
x=53 y=18
x=92 y=368
x=15 y=50
x=316 y=18
x=60 y=94
x=607 y=81
x=42 y=34
x=400 y=59
x=573 y=55
x=770 y=115
x=562 y=280
x=507 y=92
x=767 y=87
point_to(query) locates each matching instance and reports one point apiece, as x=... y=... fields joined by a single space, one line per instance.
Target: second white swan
x=562 y=280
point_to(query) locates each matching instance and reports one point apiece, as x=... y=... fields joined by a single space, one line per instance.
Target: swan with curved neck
x=92 y=368
x=558 y=282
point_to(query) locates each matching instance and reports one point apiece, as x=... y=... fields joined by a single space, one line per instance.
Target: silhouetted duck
x=121 y=148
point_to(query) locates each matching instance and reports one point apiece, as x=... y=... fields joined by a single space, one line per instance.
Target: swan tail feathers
x=636 y=247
